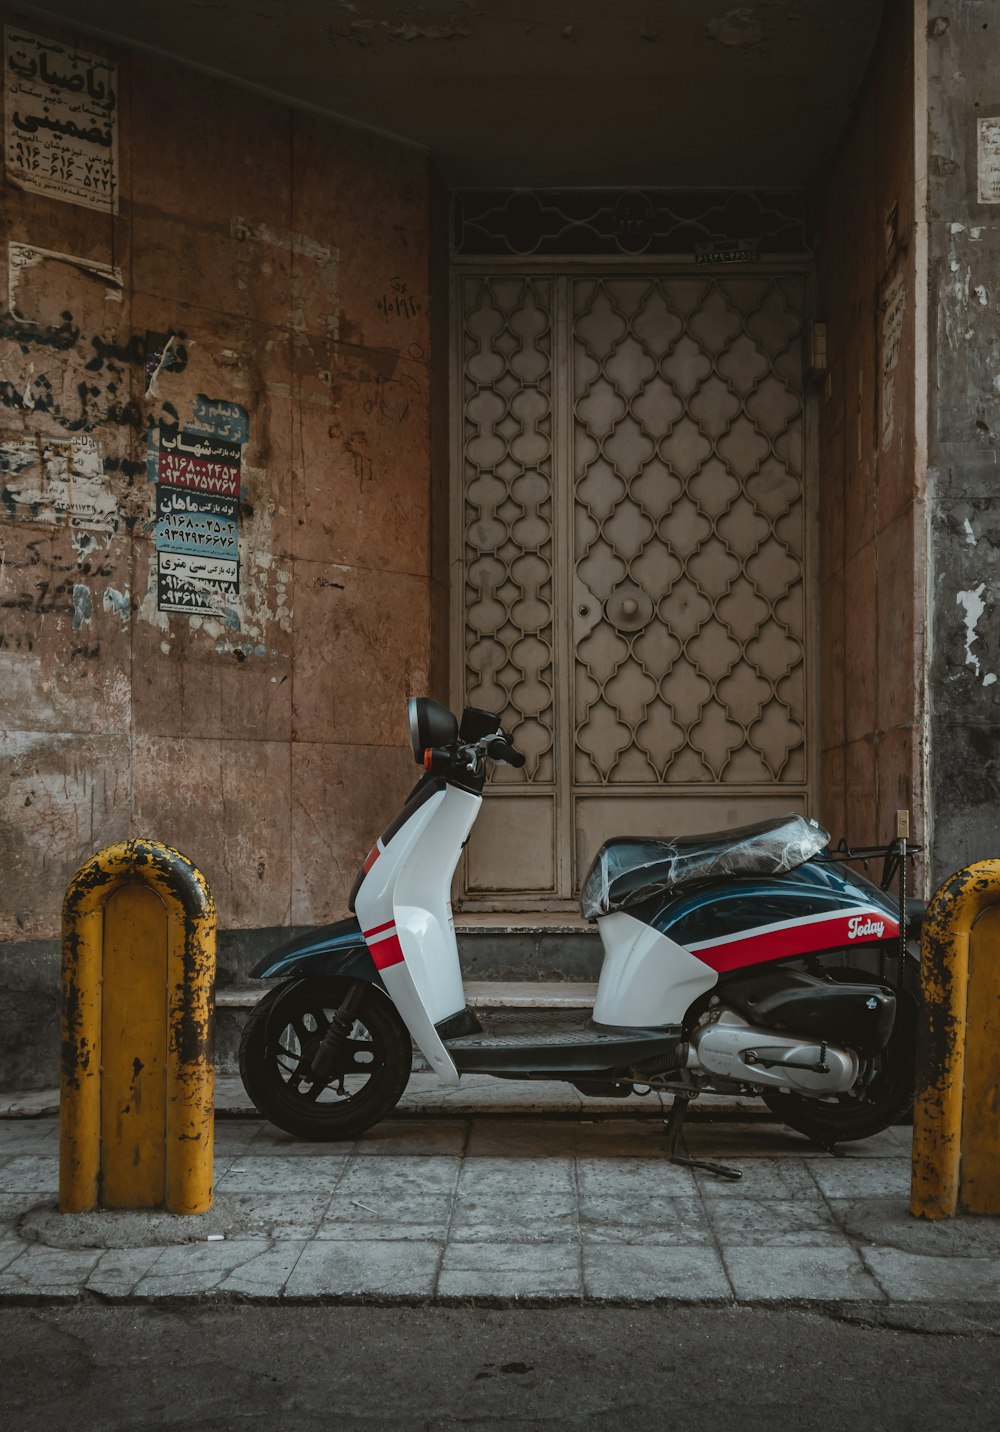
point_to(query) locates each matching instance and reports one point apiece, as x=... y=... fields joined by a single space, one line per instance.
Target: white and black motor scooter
x=727 y=969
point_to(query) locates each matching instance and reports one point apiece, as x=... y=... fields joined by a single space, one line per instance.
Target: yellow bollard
x=956 y=1128
x=138 y=1082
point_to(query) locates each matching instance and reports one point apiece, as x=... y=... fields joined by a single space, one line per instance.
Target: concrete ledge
x=523 y=923
x=476 y=1095
x=561 y=999
x=480 y=994
x=530 y=949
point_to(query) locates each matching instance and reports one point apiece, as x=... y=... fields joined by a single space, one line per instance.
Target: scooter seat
x=628 y=870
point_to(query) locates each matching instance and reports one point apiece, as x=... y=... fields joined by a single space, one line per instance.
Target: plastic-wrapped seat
x=628 y=870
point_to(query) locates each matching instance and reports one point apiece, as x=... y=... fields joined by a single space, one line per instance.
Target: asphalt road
x=367 y=1369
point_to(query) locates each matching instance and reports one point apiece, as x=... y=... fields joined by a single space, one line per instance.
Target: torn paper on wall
x=57 y=480
x=891 y=310
x=988 y=160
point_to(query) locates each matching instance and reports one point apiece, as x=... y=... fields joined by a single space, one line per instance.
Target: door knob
x=629 y=608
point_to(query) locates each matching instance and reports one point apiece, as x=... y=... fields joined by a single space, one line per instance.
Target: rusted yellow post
x=956 y=1119
x=137 y=1105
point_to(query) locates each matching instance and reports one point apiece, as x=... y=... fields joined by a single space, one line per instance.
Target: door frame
x=565 y=857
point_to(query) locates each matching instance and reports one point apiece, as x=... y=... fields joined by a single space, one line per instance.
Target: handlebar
x=499 y=748
x=481 y=738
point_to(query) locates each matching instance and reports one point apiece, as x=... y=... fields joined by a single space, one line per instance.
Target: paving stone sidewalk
x=476 y=1207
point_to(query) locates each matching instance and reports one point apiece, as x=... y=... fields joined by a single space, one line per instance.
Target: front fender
x=332 y=951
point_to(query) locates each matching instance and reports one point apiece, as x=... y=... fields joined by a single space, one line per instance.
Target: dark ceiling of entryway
x=540 y=92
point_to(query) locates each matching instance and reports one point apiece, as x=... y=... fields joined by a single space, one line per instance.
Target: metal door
x=631 y=542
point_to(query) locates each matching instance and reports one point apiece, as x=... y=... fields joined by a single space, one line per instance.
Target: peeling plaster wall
x=274 y=263
x=871 y=503
x=963 y=44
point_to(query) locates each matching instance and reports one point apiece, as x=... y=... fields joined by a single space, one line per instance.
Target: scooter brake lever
x=477 y=759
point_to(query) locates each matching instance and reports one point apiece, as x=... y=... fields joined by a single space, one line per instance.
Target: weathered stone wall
x=871 y=520
x=254 y=320
x=963 y=196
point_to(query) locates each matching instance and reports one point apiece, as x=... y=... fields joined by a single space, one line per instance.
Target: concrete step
x=519 y=946
x=510 y=1006
x=527 y=946
x=479 y=994
x=544 y=961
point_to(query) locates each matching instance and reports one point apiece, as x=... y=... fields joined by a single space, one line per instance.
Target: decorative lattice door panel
x=632 y=543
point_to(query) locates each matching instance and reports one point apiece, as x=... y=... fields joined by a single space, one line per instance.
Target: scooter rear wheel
x=885 y=1099
x=280 y=1039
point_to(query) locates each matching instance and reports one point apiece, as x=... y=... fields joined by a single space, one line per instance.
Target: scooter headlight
x=430 y=724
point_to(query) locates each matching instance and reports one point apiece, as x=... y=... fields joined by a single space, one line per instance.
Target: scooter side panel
x=782 y=940
x=815 y=908
x=647 y=980
x=405 y=995
x=404 y=909
x=422 y=904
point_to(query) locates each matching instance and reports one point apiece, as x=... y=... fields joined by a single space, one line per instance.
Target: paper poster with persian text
x=197 y=471
x=60 y=121
x=196 y=585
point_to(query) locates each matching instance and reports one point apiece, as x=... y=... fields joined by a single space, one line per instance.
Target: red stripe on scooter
x=377 y=929
x=387 y=952
x=780 y=944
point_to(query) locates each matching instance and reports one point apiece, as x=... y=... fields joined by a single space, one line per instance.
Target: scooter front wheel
x=281 y=1038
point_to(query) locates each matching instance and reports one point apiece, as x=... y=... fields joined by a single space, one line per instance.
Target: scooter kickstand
x=672 y=1129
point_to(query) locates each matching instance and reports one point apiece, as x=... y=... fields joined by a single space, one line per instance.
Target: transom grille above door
x=632 y=547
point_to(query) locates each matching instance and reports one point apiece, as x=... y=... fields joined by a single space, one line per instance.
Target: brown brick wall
x=289 y=257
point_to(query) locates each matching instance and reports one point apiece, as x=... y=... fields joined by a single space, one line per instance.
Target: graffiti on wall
x=197 y=471
x=79 y=400
x=75 y=396
x=398 y=302
x=60 y=121
x=70 y=475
